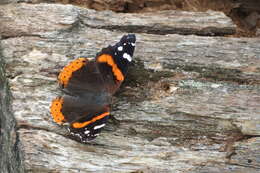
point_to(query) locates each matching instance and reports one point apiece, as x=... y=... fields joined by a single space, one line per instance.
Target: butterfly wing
x=105 y=73
x=113 y=62
x=86 y=114
x=80 y=76
x=85 y=101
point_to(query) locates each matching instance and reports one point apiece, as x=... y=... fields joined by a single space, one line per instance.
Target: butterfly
x=88 y=85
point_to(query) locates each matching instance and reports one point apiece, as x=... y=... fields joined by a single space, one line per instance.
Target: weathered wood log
x=167 y=22
x=185 y=105
x=10 y=153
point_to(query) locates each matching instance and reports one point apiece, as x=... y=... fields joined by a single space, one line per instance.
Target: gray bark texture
x=190 y=103
x=10 y=160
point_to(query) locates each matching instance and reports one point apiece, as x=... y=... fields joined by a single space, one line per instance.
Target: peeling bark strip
x=10 y=154
x=209 y=23
x=216 y=58
x=15 y=20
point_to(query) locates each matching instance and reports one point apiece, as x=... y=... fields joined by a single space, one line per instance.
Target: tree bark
x=190 y=102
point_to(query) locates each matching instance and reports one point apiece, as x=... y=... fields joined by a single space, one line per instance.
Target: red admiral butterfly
x=88 y=86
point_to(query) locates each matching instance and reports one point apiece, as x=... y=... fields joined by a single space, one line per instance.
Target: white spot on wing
x=120 y=48
x=127 y=56
x=98 y=127
x=87 y=132
x=90 y=59
x=133 y=44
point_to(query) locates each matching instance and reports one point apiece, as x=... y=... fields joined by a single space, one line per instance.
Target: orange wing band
x=80 y=125
x=56 y=113
x=109 y=60
x=67 y=71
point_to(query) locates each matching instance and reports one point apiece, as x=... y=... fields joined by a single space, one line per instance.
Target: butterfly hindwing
x=86 y=129
x=83 y=114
